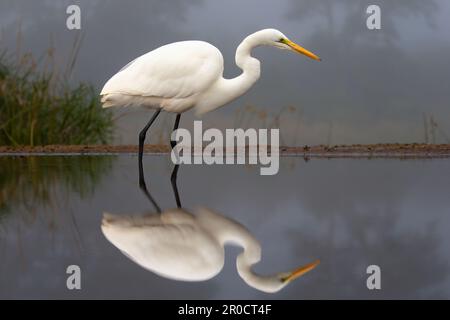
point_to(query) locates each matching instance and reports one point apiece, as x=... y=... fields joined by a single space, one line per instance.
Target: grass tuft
x=39 y=107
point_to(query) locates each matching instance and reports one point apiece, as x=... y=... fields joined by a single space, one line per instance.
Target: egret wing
x=177 y=70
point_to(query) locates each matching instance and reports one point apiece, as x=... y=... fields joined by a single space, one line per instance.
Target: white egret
x=178 y=245
x=189 y=74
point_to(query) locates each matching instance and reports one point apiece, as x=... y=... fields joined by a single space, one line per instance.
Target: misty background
x=372 y=86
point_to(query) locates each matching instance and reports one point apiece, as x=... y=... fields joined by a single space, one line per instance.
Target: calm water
x=347 y=213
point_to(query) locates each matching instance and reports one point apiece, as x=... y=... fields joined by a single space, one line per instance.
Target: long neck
x=251 y=69
x=244 y=264
x=228 y=231
x=245 y=261
x=227 y=90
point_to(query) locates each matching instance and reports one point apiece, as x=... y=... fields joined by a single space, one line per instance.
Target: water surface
x=347 y=213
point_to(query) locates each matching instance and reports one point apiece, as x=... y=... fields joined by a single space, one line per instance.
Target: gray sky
x=372 y=86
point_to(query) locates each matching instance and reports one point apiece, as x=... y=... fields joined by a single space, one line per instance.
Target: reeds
x=38 y=106
x=30 y=182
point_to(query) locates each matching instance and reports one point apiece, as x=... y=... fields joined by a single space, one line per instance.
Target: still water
x=349 y=213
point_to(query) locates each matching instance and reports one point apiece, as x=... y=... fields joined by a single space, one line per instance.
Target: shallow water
x=348 y=213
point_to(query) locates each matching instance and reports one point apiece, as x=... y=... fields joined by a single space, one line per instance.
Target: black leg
x=143 y=187
x=141 y=142
x=175 y=127
x=173 y=180
x=173 y=177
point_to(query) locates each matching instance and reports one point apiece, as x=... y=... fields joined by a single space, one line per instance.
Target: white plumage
x=181 y=246
x=151 y=81
x=189 y=74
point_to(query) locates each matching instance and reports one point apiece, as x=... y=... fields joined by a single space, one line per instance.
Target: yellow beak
x=300 y=49
x=301 y=271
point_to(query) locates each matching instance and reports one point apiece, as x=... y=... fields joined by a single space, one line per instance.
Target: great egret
x=189 y=74
x=178 y=245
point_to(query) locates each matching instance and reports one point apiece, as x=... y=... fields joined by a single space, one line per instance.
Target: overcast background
x=372 y=86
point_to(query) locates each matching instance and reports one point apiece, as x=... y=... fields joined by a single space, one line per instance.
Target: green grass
x=31 y=182
x=39 y=107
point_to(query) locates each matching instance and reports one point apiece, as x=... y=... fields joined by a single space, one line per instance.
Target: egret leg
x=142 y=135
x=173 y=180
x=175 y=127
x=143 y=187
x=173 y=177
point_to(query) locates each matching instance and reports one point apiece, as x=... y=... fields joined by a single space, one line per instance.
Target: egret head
x=283 y=279
x=287 y=277
x=275 y=38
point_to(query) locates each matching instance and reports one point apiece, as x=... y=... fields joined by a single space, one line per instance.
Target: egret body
x=189 y=75
x=179 y=245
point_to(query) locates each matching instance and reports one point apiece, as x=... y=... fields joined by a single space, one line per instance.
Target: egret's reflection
x=186 y=246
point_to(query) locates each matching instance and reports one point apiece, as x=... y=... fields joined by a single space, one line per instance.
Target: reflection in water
x=190 y=247
x=350 y=213
x=36 y=180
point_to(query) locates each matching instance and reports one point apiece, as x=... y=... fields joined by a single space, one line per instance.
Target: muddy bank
x=371 y=150
x=77 y=149
x=394 y=149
